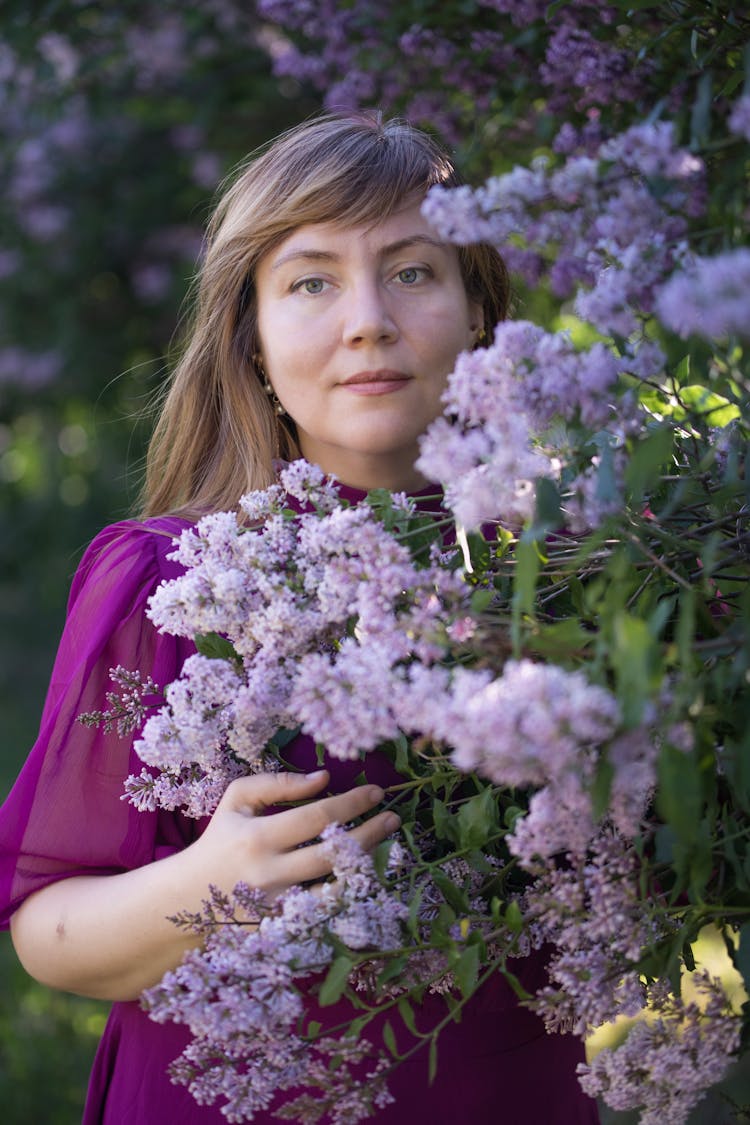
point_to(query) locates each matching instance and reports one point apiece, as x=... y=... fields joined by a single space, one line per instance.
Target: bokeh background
x=117 y=124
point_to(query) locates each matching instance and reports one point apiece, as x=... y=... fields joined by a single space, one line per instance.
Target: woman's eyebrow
x=309 y=255
x=312 y=255
x=410 y=240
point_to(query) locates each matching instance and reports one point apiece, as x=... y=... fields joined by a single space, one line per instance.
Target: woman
x=328 y=318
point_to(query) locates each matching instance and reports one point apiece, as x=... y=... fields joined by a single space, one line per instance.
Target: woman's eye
x=410 y=275
x=311 y=285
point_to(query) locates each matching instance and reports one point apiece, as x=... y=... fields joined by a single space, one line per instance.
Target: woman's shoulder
x=139 y=548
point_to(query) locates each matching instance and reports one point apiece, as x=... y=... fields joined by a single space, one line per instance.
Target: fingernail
x=376 y=794
x=314 y=775
x=392 y=822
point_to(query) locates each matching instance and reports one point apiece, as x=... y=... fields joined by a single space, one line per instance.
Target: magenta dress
x=65 y=817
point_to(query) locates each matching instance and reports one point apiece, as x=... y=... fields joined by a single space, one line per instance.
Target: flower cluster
x=241 y=998
x=709 y=297
x=453 y=70
x=590 y=912
x=511 y=407
x=527 y=783
x=667 y=1063
x=609 y=227
x=286 y=594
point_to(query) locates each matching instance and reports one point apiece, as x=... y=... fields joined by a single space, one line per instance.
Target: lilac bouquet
x=553 y=659
x=546 y=740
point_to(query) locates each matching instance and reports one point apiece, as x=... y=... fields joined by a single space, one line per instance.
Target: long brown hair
x=217 y=434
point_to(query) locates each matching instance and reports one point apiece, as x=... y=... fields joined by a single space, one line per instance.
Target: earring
x=481 y=336
x=275 y=402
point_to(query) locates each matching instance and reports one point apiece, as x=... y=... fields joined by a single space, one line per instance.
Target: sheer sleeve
x=65 y=815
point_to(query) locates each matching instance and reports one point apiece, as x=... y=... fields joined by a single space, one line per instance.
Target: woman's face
x=359 y=328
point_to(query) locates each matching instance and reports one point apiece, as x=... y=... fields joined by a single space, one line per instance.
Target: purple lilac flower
x=739 y=118
x=504 y=400
x=592 y=222
x=531 y=724
x=521 y=12
x=346 y=703
x=284 y=593
x=241 y=999
x=710 y=297
x=29 y=369
x=669 y=1059
x=588 y=909
x=601 y=71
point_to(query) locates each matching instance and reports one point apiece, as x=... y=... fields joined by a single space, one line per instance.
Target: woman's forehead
x=403 y=229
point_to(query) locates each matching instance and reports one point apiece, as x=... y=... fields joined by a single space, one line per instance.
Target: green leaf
x=513 y=917
x=452 y=894
x=335 y=982
x=511 y=815
x=634 y=658
x=601 y=787
x=390 y=1039
x=528 y=564
x=414 y=908
x=679 y=797
x=407 y=1014
x=700 y=116
x=432 y=1069
x=685 y=630
x=445 y=829
x=716 y=409
x=401 y=747
x=380 y=857
x=216 y=647
x=561 y=638
x=481 y=600
x=515 y=984
x=283 y=736
x=647 y=462
x=392 y=969
x=742 y=956
x=466 y=970
x=477 y=819
x=548 y=512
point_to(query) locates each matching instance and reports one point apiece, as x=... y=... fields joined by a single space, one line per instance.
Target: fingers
x=292 y=827
x=305 y=864
x=369 y=834
x=253 y=794
x=275 y=857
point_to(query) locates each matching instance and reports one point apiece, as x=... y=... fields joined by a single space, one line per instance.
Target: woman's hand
x=273 y=851
x=109 y=936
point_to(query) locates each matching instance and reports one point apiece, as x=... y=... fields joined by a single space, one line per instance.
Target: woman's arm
x=109 y=936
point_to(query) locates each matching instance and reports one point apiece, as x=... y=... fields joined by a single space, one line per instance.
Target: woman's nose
x=368 y=316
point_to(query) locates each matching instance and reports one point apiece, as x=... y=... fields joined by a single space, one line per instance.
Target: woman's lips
x=380 y=382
